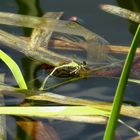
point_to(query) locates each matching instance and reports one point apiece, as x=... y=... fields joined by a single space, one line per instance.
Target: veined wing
x=63 y=26
x=94 y=44
x=39 y=37
x=97 y=52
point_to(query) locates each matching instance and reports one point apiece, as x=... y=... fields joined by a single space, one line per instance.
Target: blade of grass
x=112 y=122
x=14 y=69
x=38 y=111
x=36 y=96
x=134 y=81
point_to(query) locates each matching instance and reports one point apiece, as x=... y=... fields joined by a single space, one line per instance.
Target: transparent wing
x=39 y=37
x=96 y=49
x=92 y=43
x=61 y=26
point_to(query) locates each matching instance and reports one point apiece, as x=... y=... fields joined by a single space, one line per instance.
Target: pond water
x=112 y=28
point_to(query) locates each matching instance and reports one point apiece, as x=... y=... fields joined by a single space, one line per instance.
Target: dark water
x=112 y=28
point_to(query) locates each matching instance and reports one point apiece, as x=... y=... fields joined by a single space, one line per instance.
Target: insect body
x=72 y=64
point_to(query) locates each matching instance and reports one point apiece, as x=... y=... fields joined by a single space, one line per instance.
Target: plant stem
x=112 y=122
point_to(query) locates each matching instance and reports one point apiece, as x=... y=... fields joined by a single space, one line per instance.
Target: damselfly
x=48 y=25
x=92 y=41
x=67 y=31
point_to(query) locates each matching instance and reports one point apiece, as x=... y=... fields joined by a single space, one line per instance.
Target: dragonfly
x=93 y=47
x=44 y=24
x=92 y=41
x=51 y=25
x=69 y=32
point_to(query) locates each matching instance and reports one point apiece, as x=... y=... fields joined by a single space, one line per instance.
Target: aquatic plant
x=113 y=119
x=90 y=111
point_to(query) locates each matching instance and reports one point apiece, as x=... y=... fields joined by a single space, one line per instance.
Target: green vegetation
x=14 y=69
x=112 y=123
x=65 y=108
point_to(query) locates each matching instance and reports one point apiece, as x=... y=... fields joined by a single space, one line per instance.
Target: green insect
x=72 y=64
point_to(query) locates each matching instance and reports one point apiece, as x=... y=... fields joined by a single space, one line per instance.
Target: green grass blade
x=36 y=96
x=112 y=123
x=14 y=69
x=134 y=81
x=38 y=111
